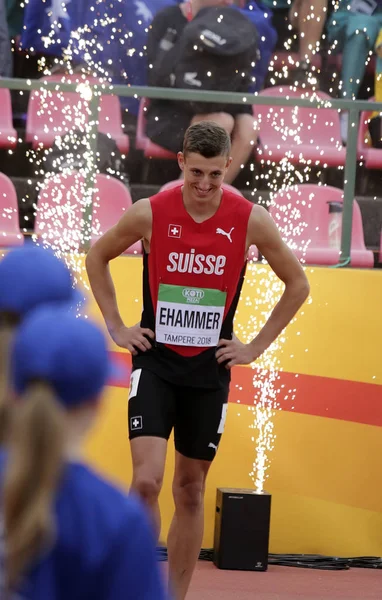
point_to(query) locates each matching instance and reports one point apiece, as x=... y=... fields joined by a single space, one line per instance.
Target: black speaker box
x=242 y=522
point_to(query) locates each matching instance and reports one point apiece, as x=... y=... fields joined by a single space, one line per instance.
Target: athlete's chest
x=198 y=250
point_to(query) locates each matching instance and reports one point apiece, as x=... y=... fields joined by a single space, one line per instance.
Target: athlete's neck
x=201 y=210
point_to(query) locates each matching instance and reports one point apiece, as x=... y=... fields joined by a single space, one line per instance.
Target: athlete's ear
x=229 y=160
x=180 y=157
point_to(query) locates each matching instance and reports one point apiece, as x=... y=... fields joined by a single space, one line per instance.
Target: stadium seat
x=142 y=142
x=59 y=215
x=8 y=135
x=372 y=157
x=253 y=253
x=111 y=200
x=304 y=135
x=10 y=234
x=302 y=216
x=110 y=122
x=52 y=114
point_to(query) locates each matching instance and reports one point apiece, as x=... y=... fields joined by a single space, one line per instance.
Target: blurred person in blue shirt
x=111 y=41
x=67 y=533
x=30 y=276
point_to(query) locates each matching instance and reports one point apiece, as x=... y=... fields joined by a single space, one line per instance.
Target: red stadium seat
x=10 y=234
x=52 y=114
x=150 y=149
x=372 y=157
x=8 y=135
x=111 y=200
x=302 y=215
x=110 y=122
x=59 y=215
x=304 y=135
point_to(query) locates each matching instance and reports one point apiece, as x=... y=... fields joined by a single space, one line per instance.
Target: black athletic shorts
x=196 y=414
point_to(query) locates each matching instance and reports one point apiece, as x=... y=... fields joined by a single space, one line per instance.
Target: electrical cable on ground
x=302 y=561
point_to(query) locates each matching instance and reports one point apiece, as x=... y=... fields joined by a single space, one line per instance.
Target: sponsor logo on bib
x=193 y=296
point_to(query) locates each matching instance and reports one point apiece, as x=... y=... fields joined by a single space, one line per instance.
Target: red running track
x=285 y=583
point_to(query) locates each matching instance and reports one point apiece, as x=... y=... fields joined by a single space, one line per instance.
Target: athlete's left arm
x=263 y=233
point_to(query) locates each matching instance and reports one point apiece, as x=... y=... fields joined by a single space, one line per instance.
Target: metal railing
x=353 y=106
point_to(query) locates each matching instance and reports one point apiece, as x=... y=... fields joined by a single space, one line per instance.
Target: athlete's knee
x=223 y=119
x=148 y=487
x=188 y=494
x=245 y=130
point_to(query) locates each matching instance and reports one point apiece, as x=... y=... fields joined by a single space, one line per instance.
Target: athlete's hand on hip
x=133 y=338
x=235 y=352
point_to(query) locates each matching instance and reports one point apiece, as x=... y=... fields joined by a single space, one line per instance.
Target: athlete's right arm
x=135 y=225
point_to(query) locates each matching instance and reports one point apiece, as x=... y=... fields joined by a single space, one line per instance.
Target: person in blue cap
x=68 y=534
x=29 y=277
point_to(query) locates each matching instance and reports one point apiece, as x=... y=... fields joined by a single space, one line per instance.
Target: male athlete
x=196 y=239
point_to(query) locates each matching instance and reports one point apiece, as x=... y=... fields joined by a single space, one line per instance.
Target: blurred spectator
x=353 y=30
x=307 y=17
x=167 y=120
x=375 y=125
x=15 y=17
x=5 y=43
x=262 y=19
x=111 y=36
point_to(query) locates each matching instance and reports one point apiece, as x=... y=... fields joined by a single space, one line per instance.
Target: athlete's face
x=203 y=177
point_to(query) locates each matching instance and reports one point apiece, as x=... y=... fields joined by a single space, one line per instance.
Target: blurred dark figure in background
x=5 y=43
x=307 y=18
x=167 y=120
x=353 y=29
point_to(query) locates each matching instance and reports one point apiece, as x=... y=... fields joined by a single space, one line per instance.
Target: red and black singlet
x=192 y=281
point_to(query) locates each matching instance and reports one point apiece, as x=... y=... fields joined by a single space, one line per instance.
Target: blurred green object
x=15 y=16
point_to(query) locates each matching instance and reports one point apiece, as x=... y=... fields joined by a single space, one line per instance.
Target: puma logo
x=228 y=235
x=211 y=445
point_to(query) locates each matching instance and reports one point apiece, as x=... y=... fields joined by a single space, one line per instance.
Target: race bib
x=365 y=7
x=188 y=316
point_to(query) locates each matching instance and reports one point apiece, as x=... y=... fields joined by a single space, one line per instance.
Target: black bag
x=69 y=151
x=161 y=74
x=217 y=51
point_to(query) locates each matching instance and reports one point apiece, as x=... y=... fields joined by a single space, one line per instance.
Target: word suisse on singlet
x=187 y=315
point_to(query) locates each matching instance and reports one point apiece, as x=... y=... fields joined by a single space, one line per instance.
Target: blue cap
x=31 y=276
x=69 y=353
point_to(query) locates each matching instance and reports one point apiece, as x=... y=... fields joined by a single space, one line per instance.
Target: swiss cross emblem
x=136 y=423
x=174 y=231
